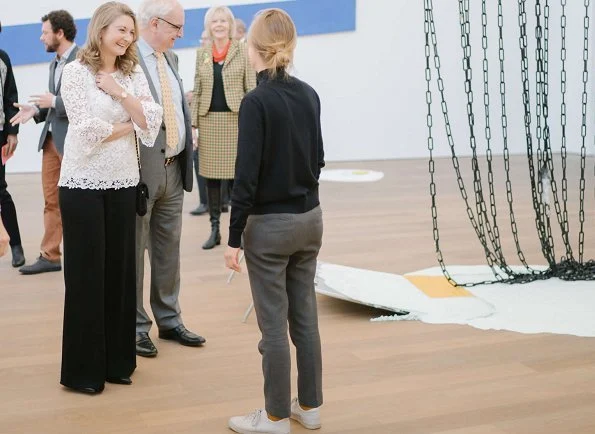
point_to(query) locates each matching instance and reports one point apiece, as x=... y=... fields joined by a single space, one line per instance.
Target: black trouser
x=9 y=211
x=202 y=187
x=100 y=279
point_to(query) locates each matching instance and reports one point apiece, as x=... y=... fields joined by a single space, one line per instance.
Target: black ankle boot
x=214 y=195
x=18 y=256
x=214 y=239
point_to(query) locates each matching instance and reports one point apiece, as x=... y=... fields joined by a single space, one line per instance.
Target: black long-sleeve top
x=280 y=151
x=9 y=95
x=218 y=101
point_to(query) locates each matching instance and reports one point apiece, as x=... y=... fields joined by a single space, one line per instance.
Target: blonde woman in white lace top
x=107 y=100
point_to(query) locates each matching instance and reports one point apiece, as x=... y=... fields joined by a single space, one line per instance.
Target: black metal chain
x=506 y=153
x=483 y=221
x=547 y=159
x=547 y=175
x=430 y=33
x=431 y=36
x=581 y=215
x=495 y=238
x=504 y=125
x=563 y=150
x=567 y=268
x=535 y=188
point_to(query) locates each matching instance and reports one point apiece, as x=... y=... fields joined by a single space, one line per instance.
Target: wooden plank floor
x=396 y=377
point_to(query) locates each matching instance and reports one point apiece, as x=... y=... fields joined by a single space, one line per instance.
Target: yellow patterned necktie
x=169 y=112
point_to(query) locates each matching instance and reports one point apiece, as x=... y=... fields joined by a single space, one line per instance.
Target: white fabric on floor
x=550 y=306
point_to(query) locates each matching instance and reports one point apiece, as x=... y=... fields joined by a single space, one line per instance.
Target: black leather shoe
x=183 y=336
x=18 y=257
x=200 y=209
x=119 y=380
x=42 y=265
x=144 y=345
x=87 y=390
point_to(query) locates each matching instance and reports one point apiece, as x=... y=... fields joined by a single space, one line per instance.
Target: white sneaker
x=258 y=422
x=308 y=418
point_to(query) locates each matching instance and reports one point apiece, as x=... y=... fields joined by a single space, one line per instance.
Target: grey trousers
x=281 y=252
x=160 y=231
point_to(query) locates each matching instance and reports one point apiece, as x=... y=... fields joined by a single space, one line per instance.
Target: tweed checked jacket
x=238 y=79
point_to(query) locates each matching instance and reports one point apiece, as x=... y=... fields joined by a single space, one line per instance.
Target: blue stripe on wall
x=311 y=17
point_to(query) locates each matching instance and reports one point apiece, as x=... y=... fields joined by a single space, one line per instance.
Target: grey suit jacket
x=153 y=159
x=56 y=117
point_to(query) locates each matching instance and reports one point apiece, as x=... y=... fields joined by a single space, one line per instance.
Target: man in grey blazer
x=167 y=170
x=57 y=34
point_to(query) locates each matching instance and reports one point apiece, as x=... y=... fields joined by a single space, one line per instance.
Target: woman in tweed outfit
x=222 y=78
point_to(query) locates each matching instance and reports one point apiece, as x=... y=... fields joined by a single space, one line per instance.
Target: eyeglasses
x=175 y=26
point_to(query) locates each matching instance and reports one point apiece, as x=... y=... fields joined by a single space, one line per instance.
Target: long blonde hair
x=103 y=16
x=274 y=37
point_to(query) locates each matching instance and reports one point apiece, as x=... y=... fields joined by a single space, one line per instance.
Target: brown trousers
x=52 y=220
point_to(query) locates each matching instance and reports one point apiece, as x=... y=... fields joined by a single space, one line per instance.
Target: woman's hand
x=106 y=83
x=11 y=145
x=231 y=259
x=129 y=126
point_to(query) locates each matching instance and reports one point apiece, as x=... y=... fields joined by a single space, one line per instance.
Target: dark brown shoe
x=144 y=345
x=183 y=336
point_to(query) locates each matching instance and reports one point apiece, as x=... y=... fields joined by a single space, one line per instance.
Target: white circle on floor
x=351 y=175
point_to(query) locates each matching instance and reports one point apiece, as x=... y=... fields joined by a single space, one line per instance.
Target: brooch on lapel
x=206 y=58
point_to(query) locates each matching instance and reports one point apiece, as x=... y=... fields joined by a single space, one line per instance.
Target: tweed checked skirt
x=217 y=145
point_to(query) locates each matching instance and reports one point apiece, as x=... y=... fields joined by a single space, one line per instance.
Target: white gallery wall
x=372 y=81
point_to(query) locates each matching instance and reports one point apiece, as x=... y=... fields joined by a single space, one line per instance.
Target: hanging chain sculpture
x=544 y=187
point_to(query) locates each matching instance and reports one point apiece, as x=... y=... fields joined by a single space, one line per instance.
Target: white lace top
x=89 y=162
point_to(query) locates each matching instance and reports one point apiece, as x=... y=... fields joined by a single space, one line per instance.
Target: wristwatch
x=123 y=95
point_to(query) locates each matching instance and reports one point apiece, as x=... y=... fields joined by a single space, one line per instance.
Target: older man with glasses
x=167 y=170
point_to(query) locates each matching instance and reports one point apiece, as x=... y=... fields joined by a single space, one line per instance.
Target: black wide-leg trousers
x=100 y=285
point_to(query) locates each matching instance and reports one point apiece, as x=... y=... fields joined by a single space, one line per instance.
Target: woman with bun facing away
x=108 y=102
x=275 y=204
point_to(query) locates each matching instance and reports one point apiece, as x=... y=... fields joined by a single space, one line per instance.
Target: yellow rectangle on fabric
x=437 y=287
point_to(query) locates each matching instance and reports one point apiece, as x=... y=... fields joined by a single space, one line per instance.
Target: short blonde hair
x=274 y=37
x=228 y=16
x=103 y=16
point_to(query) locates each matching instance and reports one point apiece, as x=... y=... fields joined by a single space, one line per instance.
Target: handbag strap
x=140 y=173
